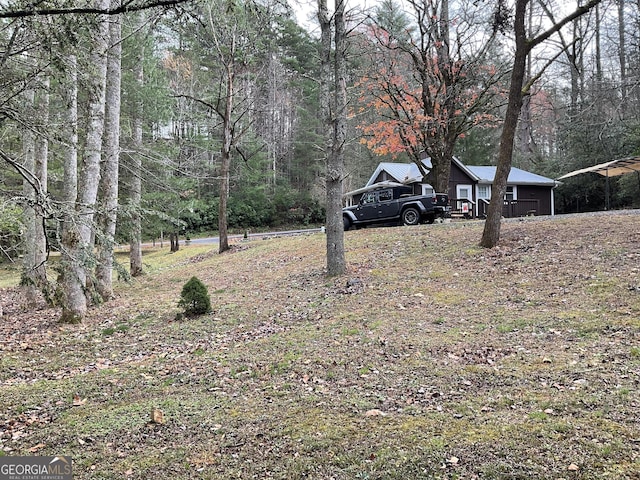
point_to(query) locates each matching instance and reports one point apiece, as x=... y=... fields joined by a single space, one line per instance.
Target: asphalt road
x=253 y=236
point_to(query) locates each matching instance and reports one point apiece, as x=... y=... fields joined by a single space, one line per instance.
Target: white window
x=427 y=189
x=484 y=192
x=512 y=193
x=463 y=192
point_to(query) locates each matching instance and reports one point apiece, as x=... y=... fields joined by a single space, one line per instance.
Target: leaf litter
x=430 y=358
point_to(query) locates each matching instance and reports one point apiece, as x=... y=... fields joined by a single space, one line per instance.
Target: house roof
x=401 y=172
x=409 y=173
x=486 y=174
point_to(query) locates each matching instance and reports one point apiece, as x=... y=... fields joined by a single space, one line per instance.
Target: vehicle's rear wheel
x=346 y=223
x=411 y=216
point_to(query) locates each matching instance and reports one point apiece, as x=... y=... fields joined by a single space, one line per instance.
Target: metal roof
x=610 y=169
x=401 y=172
x=486 y=174
x=409 y=173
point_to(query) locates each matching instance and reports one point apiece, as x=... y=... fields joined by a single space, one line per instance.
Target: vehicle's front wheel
x=411 y=216
x=346 y=223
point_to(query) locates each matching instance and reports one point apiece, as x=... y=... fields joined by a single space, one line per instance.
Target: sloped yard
x=431 y=359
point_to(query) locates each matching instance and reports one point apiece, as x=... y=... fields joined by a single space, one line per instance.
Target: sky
x=306 y=9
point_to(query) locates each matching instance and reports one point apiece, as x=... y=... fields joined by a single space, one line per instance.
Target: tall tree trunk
x=225 y=158
x=336 y=264
x=30 y=217
x=333 y=128
x=443 y=47
x=74 y=303
x=74 y=308
x=109 y=170
x=599 y=75
x=325 y=74
x=525 y=130
x=42 y=174
x=89 y=175
x=574 y=108
x=622 y=55
x=35 y=152
x=491 y=233
x=135 y=174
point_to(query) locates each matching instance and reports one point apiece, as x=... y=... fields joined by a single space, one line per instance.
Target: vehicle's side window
x=368 y=198
x=385 y=195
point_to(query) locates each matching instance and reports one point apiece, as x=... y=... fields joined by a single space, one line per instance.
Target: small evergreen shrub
x=194 y=298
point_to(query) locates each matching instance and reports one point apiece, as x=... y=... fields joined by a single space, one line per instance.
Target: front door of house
x=464 y=197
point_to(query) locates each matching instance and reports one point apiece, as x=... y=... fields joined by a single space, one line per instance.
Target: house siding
x=542 y=196
x=382 y=177
x=458 y=177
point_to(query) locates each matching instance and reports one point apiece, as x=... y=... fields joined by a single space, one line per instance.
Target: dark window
x=509 y=194
x=385 y=195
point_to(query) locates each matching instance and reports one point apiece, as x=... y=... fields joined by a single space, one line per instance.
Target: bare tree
x=517 y=89
x=232 y=43
x=226 y=42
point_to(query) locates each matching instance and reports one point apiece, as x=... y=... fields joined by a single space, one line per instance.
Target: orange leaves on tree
x=414 y=118
x=180 y=67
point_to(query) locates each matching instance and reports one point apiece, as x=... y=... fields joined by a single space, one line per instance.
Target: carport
x=609 y=169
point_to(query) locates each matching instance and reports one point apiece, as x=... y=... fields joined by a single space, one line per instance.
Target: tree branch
x=556 y=27
x=23 y=172
x=529 y=84
x=8 y=13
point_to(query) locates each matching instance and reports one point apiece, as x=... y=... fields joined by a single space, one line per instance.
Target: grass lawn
x=431 y=359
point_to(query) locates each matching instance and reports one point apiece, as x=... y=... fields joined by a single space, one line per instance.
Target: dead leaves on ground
x=157 y=416
x=16 y=429
x=462 y=337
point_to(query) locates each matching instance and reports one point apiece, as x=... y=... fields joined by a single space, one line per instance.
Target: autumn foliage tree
x=426 y=90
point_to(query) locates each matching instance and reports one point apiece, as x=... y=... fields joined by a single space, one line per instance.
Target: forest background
x=120 y=127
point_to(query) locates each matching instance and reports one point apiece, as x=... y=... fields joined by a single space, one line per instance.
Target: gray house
x=470 y=188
